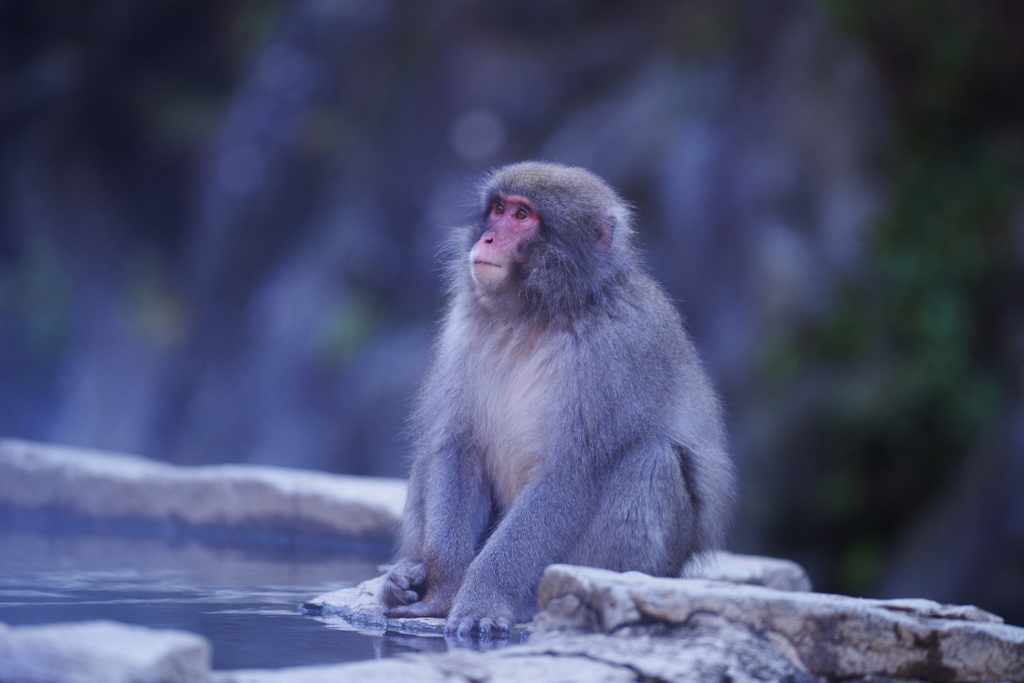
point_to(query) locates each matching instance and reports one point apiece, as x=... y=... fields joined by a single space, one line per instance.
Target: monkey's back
x=639 y=368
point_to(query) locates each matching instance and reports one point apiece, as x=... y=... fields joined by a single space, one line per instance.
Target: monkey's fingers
x=393 y=594
x=498 y=625
x=417 y=573
x=408 y=573
x=398 y=597
x=463 y=627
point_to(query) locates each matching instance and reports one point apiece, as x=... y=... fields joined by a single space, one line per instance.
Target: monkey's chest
x=512 y=425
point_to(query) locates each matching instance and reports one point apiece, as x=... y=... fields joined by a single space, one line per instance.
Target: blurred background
x=219 y=223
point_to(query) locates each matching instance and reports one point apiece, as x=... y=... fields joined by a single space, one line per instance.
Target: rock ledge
x=828 y=635
x=111 y=488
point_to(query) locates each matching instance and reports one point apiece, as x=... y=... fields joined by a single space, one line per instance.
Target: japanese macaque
x=566 y=416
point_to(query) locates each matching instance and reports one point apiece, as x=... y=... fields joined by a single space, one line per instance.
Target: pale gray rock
x=706 y=648
x=771 y=572
x=360 y=607
x=829 y=635
x=113 y=487
x=101 y=652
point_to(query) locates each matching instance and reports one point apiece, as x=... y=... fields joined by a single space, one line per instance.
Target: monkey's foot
x=424 y=608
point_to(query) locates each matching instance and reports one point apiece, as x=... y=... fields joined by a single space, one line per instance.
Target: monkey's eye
x=499 y=208
x=521 y=214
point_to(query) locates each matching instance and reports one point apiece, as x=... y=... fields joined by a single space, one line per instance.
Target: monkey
x=565 y=417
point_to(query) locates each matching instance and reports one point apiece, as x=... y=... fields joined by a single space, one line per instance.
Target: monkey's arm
x=408 y=576
x=501 y=584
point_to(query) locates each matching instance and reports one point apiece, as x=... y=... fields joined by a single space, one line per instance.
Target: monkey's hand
x=399 y=584
x=463 y=620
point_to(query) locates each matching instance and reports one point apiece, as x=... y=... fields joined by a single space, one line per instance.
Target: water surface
x=244 y=599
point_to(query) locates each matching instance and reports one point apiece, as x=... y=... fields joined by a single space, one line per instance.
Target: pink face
x=511 y=222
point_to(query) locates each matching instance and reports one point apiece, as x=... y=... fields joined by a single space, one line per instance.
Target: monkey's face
x=511 y=223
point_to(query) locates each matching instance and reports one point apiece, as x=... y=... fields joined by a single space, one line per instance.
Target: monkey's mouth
x=478 y=262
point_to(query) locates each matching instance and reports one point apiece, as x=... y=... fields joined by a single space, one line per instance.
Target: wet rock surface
x=360 y=607
x=833 y=636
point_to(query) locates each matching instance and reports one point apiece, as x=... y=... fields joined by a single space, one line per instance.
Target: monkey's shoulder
x=641 y=316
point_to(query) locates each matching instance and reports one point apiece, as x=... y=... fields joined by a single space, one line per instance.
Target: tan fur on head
x=566 y=194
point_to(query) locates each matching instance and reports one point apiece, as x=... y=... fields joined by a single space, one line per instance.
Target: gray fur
x=566 y=418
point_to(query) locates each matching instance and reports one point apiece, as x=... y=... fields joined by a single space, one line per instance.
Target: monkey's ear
x=605 y=231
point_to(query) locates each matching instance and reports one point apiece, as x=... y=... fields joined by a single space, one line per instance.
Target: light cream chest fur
x=510 y=392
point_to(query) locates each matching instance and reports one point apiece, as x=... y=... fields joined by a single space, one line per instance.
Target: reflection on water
x=392 y=642
x=244 y=599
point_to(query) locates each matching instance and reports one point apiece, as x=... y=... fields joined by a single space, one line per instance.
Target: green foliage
x=905 y=363
x=35 y=299
x=350 y=326
x=152 y=306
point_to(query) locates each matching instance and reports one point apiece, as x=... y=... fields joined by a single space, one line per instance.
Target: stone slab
x=707 y=648
x=756 y=570
x=832 y=635
x=115 y=487
x=101 y=652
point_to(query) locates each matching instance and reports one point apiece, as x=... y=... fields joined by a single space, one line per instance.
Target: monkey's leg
x=645 y=519
x=456 y=508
